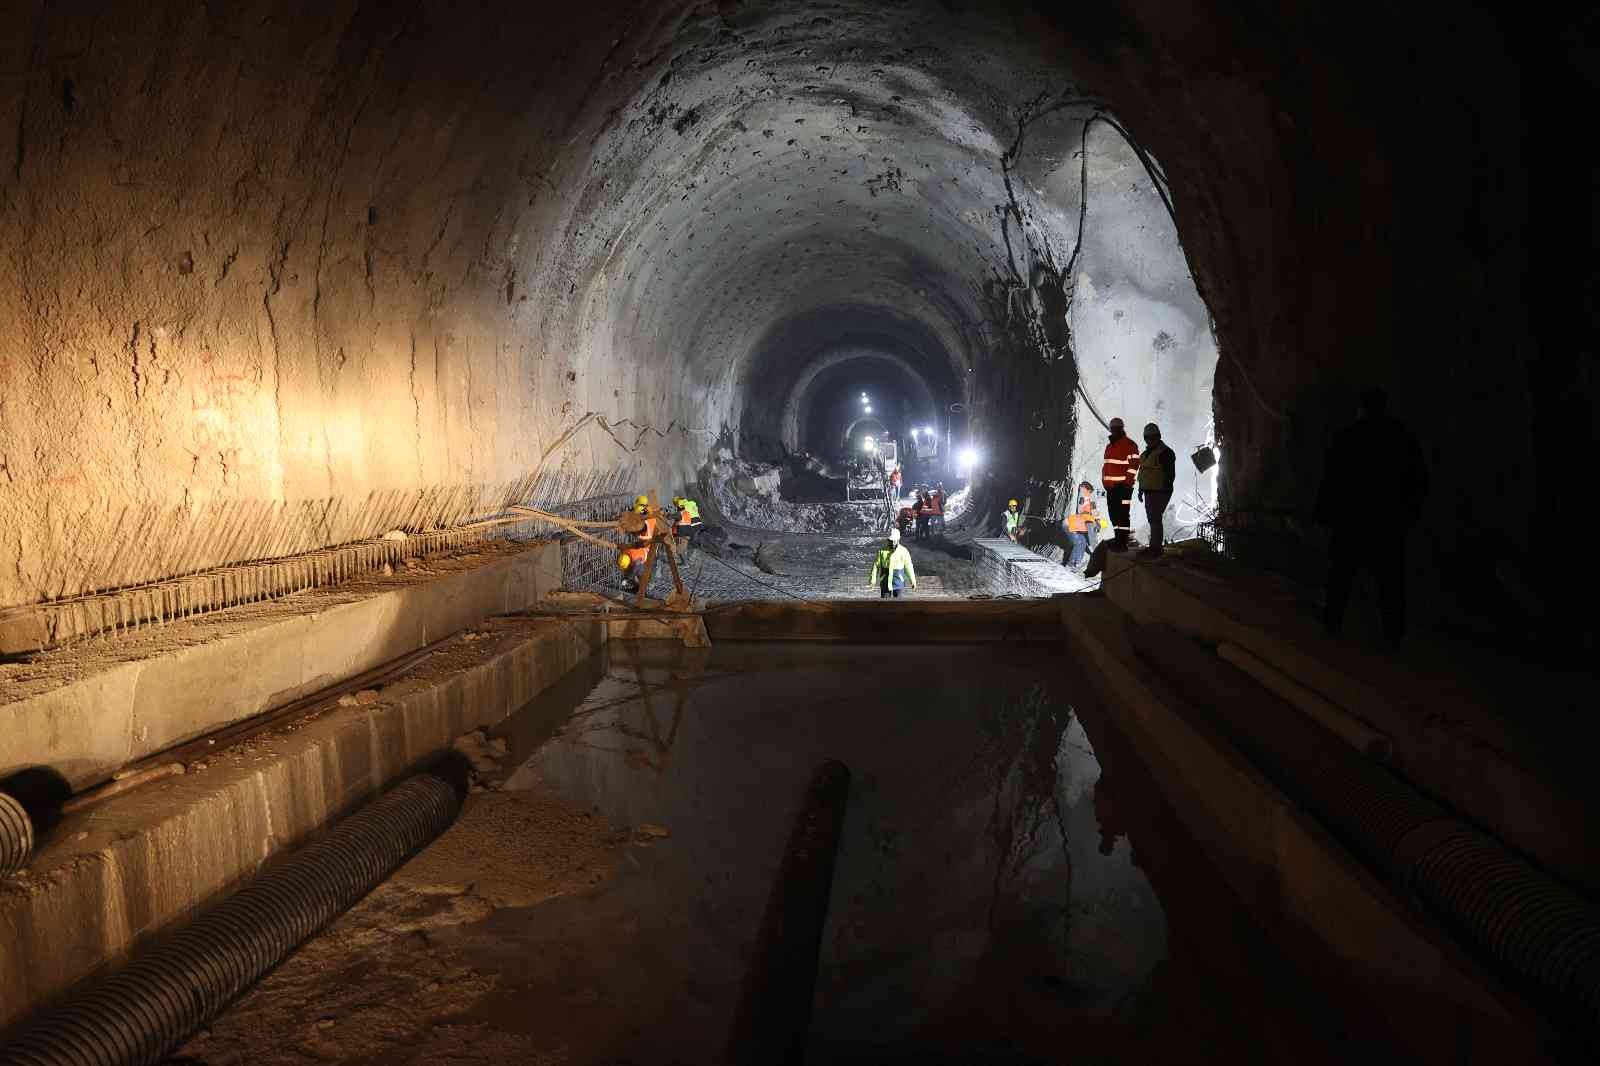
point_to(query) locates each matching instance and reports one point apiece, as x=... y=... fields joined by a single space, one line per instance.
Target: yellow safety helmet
x=1011 y=503
x=677 y=501
x=641 y=501
x=624 y=561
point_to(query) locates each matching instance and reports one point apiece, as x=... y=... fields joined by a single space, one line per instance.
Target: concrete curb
x=85 y=730
x=1312 y=896
x=1464 y=766
x=118 y=874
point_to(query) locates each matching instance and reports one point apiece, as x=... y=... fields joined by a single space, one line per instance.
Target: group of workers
x=928 y=506
x=631 y=560
x=1124 y=471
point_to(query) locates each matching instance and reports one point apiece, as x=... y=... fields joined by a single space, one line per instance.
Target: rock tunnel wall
x=279 y=274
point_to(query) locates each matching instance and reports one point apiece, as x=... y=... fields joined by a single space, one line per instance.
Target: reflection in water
x=977 y=902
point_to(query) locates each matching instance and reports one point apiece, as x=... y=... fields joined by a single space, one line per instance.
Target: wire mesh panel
x=585 y=566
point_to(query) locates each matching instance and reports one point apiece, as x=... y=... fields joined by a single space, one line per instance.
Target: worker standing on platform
x=892 y=570
x=1013 y=520
x=1121 y=466
x=1158 y=473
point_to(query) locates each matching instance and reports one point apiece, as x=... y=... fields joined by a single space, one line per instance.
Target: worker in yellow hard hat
x=688 y=522
x=1013 y=519
x=630 y=562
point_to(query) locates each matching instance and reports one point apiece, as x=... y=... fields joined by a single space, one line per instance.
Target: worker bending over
x=1120 y=468
x=631 y=560
x=1082 y=527
x=688 y=521
x=1013 y=519
x=1158 y=473
x=892 y=570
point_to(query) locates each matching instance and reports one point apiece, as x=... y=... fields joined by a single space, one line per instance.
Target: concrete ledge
x=114 y=875
x=885 y=621
x=1010 y=568
x=1315 y=898
x=242 y=661
x=1444 y=742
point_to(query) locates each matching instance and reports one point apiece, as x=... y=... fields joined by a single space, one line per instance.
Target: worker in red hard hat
x=1117 y=474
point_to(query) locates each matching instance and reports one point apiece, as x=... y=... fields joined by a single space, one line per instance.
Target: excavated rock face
x=284 y=274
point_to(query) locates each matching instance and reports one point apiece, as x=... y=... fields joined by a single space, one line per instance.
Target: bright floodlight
x=969 y=458
x=869 y=408
x=870 y=445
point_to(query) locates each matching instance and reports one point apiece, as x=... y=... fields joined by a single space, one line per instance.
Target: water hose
x=1541 y=933
x=16 y=835
x=143 y=1012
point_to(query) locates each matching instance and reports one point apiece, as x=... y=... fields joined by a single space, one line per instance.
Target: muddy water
x=988 y=903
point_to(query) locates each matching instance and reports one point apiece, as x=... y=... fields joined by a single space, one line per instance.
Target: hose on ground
x=1536 y=929
x=147 y=1009
x=16 y=835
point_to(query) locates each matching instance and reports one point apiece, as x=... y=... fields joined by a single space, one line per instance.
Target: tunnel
x=303 y=306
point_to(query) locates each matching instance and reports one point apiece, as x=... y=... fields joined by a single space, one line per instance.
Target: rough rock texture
x=311 y=271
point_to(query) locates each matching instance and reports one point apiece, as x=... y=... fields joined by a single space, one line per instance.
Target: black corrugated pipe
x=1540 y=932
x=143 y=1012
x=16 y=835
x=774 y=1012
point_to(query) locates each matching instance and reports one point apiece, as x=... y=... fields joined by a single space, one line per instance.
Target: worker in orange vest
x=1117 y=475
x=1082 y=527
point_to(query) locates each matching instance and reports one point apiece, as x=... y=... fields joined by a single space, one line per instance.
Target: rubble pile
x=748 y=494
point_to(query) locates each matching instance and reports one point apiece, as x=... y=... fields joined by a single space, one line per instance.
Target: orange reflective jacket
x=1122 y=462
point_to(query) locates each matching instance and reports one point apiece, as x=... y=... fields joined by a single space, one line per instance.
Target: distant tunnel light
x=869 y=408
x=869 y=445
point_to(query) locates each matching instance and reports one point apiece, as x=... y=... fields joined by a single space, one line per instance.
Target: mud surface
x=600 y=903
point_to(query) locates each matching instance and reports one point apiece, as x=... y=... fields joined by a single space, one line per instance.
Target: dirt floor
x=385 y=983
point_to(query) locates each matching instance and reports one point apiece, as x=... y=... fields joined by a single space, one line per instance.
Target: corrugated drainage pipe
x=148 y=1008
x=1540 y=931
x=16 y=835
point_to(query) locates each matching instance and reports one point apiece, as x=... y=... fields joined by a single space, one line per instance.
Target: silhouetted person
x=1117 y=474
x=1377 y=451
x=1158 y=475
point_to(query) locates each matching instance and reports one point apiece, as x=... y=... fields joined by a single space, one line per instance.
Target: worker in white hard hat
x=892 y=570
x=1013 y=519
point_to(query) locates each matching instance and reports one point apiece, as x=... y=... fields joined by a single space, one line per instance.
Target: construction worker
x=1377 y=447
x=688 y=522
x=923 y=511
x=1082 y=527
x=631 y=562
x=687 y=509
x=1158 y=474
x=1121 y=466
x=891 y=569
x=1013 y=520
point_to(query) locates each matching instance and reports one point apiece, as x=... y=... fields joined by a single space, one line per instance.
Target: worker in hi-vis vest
x=892 y=570
x=1158 y=473
x=1120 y=468
x=1013 y=519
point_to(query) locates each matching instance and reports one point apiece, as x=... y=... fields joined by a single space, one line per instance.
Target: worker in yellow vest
x=892 y=570
x=1158 y=475
x=1013 y=519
